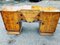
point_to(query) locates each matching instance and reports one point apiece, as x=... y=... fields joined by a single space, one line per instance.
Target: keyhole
x=42 y=23
x=21 y=14
x=38 y=15
x=17 y=22
x=22 y=19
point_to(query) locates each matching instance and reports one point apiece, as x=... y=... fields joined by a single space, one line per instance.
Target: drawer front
x=30 y=14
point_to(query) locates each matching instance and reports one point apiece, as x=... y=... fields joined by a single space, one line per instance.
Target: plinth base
x=46 y=34
x=13 y=33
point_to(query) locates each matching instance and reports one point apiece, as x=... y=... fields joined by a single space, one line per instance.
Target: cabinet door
x=11 y=21
x=49 y=21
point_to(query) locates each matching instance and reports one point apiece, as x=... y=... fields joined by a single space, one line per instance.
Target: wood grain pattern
x=49 y=21
x=30 y=14
x=11 y=21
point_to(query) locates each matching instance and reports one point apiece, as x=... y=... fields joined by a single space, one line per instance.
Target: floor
x=29 y=35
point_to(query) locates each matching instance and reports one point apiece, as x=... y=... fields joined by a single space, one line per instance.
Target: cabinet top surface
x=16 y=6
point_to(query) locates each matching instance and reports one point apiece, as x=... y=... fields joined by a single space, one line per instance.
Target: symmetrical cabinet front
x=12 y=20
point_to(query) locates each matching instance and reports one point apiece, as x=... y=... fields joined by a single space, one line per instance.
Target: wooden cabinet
x=11 y=21
x=49 y=22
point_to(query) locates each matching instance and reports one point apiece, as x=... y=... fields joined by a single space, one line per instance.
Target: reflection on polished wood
x=12 y=20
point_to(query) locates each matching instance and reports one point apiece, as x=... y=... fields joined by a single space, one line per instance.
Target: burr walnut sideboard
x=47 y=20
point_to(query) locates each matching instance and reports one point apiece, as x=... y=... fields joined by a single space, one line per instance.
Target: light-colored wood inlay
x=30 y=14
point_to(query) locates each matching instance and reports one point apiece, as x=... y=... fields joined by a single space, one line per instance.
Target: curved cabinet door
x=49 y=22
x=11 y=21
